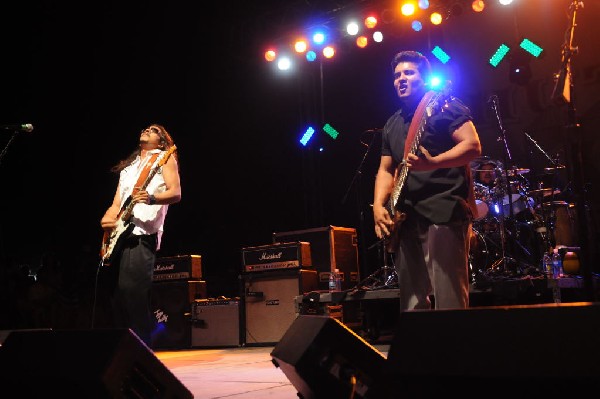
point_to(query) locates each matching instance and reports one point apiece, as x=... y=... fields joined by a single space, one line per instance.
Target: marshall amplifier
x=181 y=267
x=290 y=255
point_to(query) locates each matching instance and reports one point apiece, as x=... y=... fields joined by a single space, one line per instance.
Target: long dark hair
x=166 y=142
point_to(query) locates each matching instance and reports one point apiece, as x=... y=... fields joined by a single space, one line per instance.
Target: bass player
x=427 y=145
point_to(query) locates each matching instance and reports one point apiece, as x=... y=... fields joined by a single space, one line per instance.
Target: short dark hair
x=422 y=62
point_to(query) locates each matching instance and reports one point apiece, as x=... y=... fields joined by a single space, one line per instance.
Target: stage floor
x=240 y=372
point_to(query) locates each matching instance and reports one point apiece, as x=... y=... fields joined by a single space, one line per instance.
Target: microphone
x=25 y=127
x=493 y=98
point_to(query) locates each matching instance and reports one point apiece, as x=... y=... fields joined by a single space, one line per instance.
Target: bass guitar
x=432 y=101
x=113 y=240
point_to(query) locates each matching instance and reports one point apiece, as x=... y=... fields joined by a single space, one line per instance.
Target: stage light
x=318 y=38
x=435 y=82
x=499 y=55
x=284 y=63
x=327 y=128
x=270 y=55
x=370 y=22
x=531 y=47
x=505 y=2
x=440 y=54
x=436 y=18
x=352 y=28
x=307 y=136
x=311 y=56
x=407 y=9
x=377 y=37
x=423 y=4
x=520 y=70
x=362 y=41
x=301 y=46
x=478 y=5
x=328 y=52
x=416 y=26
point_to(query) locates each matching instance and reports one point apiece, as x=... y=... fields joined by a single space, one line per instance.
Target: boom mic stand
x=357 y=179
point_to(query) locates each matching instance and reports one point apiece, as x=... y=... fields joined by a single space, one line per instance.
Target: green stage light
x=330 y=131
x=307 y=136
x=440 y=54
x=499 y=55
x=531 y=47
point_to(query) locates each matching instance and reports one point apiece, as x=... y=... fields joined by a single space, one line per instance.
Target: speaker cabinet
x=269 y=307
x=331 y=247
x=320 y=356
x=216 y=323
x=514 y=351
x=84 y=364
x=171 y=305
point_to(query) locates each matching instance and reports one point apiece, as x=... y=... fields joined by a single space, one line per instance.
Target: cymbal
x=517 y=171
x=543 y=192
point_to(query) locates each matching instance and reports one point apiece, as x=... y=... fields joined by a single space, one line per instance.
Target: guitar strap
x=416 y=121
x=144 y=173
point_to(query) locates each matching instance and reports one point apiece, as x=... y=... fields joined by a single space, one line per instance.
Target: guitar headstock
x=440 y=98
x=163 y=160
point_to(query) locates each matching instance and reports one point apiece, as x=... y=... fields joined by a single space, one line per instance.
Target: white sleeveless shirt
x=148 y=219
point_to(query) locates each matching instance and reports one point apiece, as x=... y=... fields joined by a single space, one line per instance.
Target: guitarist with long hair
x=133 y=226
x=423 y=197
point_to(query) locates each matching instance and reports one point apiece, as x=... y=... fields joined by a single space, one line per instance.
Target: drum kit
x=515 y=223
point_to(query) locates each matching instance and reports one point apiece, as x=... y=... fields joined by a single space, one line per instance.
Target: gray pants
x=433 y=259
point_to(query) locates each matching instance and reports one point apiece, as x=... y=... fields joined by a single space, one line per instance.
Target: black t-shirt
x=439 y=196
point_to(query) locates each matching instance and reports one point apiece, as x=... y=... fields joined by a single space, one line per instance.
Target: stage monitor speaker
x=172 y=307
x=84 y=364
x=269 y=302
x=513 y=351
x=323 y=358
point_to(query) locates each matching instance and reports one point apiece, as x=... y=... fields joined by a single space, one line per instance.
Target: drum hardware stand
x=385 y=277
x=502 y=264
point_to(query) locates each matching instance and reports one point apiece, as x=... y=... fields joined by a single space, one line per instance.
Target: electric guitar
x=113 y=240
x=436 y=102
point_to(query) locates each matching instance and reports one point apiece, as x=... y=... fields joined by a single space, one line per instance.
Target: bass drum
x=480 y=258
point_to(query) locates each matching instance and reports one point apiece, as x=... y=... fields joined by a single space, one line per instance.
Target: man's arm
x=467 y=148
x=383 y=183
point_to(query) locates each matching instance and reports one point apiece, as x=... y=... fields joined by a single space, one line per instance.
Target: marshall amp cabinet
x=290 y=255
x=181 y=267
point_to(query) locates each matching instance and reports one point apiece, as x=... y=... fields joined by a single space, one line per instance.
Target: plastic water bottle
x=335 y=281
x=547 y=266
x=557 y=265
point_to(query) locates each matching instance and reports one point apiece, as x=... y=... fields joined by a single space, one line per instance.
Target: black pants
x=132 y=283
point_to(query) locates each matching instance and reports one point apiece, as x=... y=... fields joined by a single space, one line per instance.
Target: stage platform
x=373 y=313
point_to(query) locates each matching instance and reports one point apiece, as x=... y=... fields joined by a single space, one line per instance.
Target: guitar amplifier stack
x=273 y=275
x=177 y=284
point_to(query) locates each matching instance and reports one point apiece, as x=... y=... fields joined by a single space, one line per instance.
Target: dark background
x=90 y=76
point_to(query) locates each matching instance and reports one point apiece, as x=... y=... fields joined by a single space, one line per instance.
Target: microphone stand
x=8 y=144
x=563 y=92
x=359 y=202
x=504 y=260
